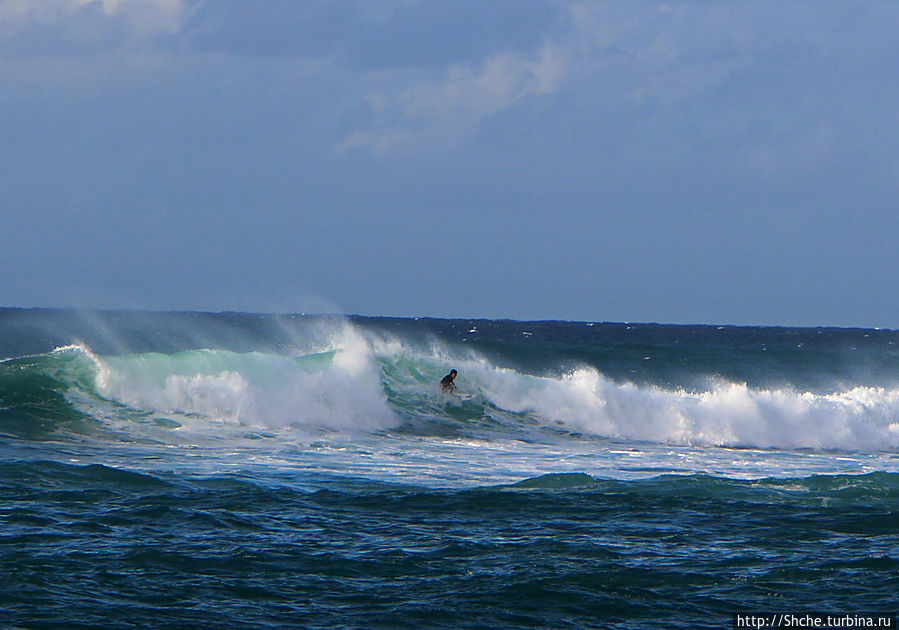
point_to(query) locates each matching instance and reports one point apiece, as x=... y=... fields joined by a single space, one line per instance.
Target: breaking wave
x=375 y=383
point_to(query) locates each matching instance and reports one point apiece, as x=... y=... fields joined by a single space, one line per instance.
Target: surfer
x=446 y=385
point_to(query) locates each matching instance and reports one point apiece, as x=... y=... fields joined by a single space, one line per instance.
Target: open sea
x=196 y=470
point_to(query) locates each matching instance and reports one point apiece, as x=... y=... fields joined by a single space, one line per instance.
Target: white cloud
x=499 y=83
x=451 y=107
x=143 y=17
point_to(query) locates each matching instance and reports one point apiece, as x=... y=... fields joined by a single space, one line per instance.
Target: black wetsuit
x=447 y=385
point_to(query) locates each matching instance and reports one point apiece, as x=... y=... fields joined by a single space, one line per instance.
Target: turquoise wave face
x=34 y=401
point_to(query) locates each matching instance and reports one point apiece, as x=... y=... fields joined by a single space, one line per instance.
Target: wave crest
x=338 y=390
x=728 y=414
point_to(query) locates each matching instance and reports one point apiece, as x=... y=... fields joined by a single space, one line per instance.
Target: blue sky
x=726 y=162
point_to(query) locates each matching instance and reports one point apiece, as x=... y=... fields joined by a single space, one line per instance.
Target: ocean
x=229 y=470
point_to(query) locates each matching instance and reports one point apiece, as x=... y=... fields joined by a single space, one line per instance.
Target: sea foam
x=728 y=414
x=339 y=392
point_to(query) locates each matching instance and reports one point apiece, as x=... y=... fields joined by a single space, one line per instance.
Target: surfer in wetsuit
x=446 y=385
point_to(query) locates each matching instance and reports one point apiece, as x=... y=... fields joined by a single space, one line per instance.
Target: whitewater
x=646 y=414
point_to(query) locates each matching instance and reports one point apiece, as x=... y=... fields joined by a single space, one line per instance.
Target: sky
x=684 y=162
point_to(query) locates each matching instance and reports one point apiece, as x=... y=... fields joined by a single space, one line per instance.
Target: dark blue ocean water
x=178 y=470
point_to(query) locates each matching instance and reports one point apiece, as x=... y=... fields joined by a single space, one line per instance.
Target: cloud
x=453 y=105
x=500 y=82
x=143 y=18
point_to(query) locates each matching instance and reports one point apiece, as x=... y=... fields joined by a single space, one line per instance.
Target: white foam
x=729 y=414
x=255 y=389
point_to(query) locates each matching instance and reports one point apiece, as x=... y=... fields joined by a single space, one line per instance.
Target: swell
x=869 y=487
x=34 y=477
